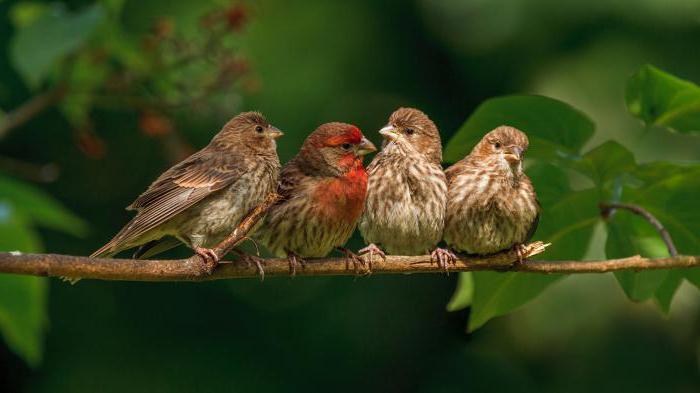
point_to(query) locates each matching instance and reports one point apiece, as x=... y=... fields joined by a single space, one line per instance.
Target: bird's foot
x=443 y=257
x=251 y=260
x=372 y=250
x=357 y=262
x=209 y=258
x=295 y=260
x=521 y=252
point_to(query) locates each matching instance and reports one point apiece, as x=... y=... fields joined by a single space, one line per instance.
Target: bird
x=407 y=191
x=492 y=205
x=322 y=194
x=202 y=199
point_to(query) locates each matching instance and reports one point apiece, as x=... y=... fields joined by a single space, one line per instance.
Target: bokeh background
x=156 y=79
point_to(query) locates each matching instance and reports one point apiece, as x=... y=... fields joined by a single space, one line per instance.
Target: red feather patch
x=344 y=197
x=352 y=135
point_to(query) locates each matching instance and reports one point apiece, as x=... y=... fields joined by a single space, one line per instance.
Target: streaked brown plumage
x=203 y=198
x=492 y=205
x=407 y=190
x=323 y=192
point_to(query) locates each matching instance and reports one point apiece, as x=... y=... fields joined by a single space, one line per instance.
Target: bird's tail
x=106 y=251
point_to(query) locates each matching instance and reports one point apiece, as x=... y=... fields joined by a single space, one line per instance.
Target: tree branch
x=30 y=109
x=191 y=269
x=609 y=208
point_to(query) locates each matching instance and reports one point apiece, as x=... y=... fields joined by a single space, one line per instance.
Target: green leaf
x=667 y=290
x=22 y=299
x=551 y=183
x=555 y=129
x=669 y=192
x=630 y=235
x=497 y=294
x=40 y=208
x=605 y=163
x=53 y=35
x=693 y=276
x=16 y=233
x=659 y=98
x=23 y=315
x=462 y=298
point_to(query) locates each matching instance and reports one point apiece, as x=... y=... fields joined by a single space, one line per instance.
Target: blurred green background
x=140 y=84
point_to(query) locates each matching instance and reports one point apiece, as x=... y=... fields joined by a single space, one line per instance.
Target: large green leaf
x=22 y=299
x=631 y=235
x=39 y=207
x=464 y=293
x=604 y=163
x=659 y=98
x=497 y=294
x=554 y=128
x=39 y=45
x=669 y=192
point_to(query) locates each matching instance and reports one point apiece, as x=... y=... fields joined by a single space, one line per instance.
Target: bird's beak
x=513 y=154
x=274 y=132
x=365 y=147
x=389 y=132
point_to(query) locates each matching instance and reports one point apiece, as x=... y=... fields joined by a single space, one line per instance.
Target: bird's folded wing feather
x=179 y=188
x=289 y=180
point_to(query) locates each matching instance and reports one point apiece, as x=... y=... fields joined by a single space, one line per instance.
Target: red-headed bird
x=492 y=205
x=322 y=191
x=407 y=190
x=203 y=198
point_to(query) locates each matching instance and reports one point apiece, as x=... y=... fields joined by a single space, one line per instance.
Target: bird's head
x=503 y=147
x=249 y=129
x=409 y=127
x=335 y=149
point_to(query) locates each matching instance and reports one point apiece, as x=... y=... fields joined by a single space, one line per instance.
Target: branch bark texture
x=192 y=269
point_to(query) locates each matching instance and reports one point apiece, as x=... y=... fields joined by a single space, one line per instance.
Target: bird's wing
x=535 y=223
x=177 y=189
x=289 y=178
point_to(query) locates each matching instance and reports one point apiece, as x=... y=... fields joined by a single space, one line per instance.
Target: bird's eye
x=346 y=146
x=258 y=129
x=497 y=145
x=410 y=131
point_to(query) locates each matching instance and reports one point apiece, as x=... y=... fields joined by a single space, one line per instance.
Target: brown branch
x=30 y=109
x=191 y=269
x=609 y=208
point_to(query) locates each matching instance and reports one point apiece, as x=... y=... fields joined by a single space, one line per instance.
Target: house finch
x=407 y=190
x=203 y=198
x=492 y=205
x=322 y=191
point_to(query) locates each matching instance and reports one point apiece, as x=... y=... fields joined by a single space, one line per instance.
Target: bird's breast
x=342 y=198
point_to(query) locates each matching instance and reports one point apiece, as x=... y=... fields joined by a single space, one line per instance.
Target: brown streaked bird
x=407 y=190
x=323 y=192
x=492 y=205
x=199 y=201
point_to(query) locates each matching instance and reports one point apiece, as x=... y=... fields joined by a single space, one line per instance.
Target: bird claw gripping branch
x=359 y=265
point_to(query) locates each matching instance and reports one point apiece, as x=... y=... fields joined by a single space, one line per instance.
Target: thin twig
x=30 y=109
x=609 y=208
x=246 y=224
x=191 y=269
